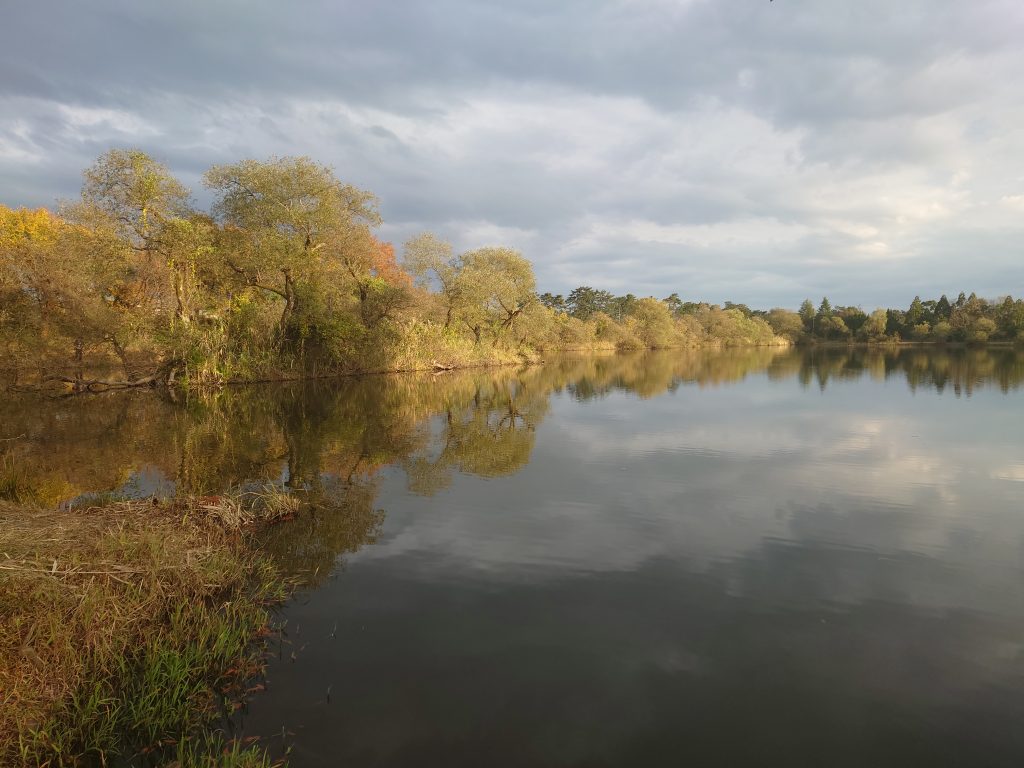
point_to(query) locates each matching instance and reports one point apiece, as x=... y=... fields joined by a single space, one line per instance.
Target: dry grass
x=125 y=627
x=245 y=508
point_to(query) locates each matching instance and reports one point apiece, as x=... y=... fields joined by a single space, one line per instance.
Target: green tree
x=651 y=321
x=786 y=323
x=500 y=285
x=622 y=307
x=289 y=217
x=807 y=313
x=824 y=309
x=554 y=302
x=585 y=301
x=674 y=304
x=874 y=328
x=833 y=327
x=915 y=314
x=137 y=195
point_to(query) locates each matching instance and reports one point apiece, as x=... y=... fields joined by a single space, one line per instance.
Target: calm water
x=742 y=558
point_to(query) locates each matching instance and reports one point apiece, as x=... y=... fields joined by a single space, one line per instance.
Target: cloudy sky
x=725 y=149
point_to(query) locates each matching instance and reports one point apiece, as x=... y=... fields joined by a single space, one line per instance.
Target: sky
x=744 y=150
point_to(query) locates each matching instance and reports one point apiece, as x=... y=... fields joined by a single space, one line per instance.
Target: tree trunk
x=122 y=356
x=180 y=311
x=364 y=311
x=291 y=302
x=79 y=348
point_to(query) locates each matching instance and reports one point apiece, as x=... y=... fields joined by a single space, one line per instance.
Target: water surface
x=760 y=557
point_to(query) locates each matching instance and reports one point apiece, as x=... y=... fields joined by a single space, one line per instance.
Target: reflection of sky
x=754 y=574
x=709 y=475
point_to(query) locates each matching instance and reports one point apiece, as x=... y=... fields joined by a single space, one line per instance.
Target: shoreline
x=540 y=358
x=910 y=344
x=131 y=628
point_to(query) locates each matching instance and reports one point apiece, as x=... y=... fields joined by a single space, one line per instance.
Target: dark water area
x=757 y=557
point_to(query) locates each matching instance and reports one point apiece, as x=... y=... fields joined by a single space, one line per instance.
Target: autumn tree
x=289 y=220
x=63 y=288
x=381 y=285
x=138 y=199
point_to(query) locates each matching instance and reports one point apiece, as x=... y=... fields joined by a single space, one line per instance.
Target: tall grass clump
x=129 y=629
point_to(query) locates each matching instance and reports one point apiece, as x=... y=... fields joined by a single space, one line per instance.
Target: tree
x=981 y=330
x=290 y=217
x=806 y=313
x=786 y=323
x=893 y=322
x=941 y=331
x=674 y=304
x=381 y=285
x=430 y=260
x=137 y=198
x=824 y=309
x=502 y=284
x=64 y=288
x=1011 y=318
x=585 y=301
x=921 y=331
x=915 y=314
x=554 y=302
x=854 y=318
x=743 y=308
x=874 y=328
x=138 y=195
x=651 y=321
x=622 y=307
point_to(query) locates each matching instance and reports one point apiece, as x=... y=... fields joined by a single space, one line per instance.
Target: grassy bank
x=130 y=630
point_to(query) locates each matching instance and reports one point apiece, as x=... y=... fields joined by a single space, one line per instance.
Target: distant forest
x=284 y=277
x=967 y=319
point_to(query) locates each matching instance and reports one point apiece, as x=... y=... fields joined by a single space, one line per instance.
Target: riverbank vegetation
x=283 y=278
x=131 y=629
x=967 y=320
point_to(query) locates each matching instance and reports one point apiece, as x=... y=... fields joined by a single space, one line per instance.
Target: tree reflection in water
x=329 y=440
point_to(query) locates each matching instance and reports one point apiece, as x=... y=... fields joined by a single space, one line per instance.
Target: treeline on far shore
x=968 y=319
x=283 y=278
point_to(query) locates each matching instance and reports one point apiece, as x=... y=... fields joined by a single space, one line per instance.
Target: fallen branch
x=164 y=376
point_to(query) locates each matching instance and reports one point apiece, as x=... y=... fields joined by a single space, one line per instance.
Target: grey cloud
x=874 y=132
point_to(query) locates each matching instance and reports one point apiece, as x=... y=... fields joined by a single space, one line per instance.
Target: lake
x=751 y=557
